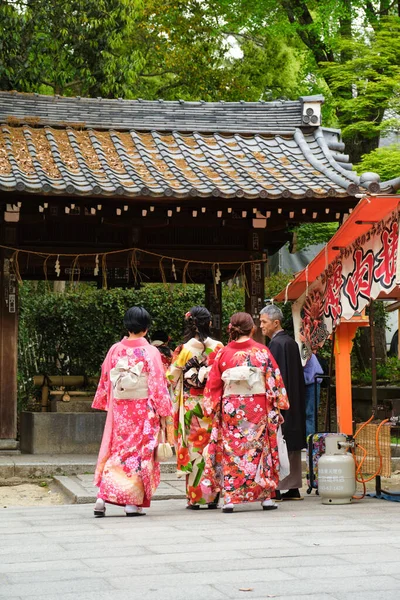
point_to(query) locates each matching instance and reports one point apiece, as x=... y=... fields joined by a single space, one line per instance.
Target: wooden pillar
x=344 y=336
x=213 y=301
x=8 y=354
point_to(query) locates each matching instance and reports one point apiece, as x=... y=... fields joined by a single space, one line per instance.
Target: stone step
x=80 y=489
x=35 y=465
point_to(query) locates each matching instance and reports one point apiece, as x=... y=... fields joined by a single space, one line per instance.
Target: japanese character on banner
x=332 y=304
x=386 y=258
x=359 y=282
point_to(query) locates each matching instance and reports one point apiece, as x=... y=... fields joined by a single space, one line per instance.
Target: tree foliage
x=129 y=48
x=371 y=76
x=68 y=46
x=350 y=53
x=385 y=161
x=308 y=234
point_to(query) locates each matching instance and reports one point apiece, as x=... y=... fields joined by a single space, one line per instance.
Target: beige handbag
x=163 y=450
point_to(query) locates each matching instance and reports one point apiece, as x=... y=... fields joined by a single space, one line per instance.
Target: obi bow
x=248 y=375
x=125 y=377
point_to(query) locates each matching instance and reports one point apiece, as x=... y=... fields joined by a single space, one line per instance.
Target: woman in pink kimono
x=244 y=395
x=133 y=391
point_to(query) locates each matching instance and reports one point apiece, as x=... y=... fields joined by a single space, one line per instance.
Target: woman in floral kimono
x=244 y=394
x=188 y=374
x=133 y=390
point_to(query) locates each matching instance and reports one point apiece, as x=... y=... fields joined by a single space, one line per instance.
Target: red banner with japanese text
x=362 y=272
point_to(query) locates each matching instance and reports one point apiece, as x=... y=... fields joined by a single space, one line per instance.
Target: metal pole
x=373 y=355
x=329 y=389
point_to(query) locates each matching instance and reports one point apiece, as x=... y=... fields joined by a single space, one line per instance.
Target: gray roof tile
x=132 y=148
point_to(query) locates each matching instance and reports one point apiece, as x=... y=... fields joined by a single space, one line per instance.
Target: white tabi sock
x=132 y=508
x=268 y=502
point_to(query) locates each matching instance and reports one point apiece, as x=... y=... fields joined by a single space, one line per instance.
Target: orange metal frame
x=344 y=337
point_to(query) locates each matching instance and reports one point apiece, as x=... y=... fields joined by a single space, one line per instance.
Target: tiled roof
x=165 y=160
x=144 y=115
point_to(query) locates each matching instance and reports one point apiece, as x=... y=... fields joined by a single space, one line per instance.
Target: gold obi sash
x=129 y=383
x=243 y=381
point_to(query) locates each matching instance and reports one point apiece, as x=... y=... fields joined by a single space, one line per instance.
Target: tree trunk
x=380 y=345
x=358 y=145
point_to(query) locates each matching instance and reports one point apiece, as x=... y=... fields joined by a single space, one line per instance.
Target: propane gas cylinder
x=336 y=472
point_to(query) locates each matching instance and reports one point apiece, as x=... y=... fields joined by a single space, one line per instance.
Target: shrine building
x=175 y=191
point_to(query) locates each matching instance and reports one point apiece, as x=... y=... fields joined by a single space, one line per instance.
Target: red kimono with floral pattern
x=126 y=471
x=242 y=460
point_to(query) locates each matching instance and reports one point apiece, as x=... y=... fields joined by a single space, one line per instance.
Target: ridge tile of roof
x=98 y=113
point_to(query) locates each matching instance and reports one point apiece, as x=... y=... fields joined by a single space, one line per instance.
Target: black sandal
x=214 y=505
x=193 y=506
x=135 y=514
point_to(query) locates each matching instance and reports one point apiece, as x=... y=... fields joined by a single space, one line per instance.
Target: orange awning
x=369 y=211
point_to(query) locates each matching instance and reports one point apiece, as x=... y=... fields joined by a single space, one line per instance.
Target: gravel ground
x=43 y=492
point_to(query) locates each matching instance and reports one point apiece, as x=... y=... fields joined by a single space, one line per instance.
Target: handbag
x=164 y=449
x=284 y=465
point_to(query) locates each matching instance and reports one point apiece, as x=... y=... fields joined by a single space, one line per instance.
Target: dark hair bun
x=241 y=324
x=197 y=323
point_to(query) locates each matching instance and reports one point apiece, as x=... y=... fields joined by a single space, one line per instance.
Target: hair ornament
x=187 y=315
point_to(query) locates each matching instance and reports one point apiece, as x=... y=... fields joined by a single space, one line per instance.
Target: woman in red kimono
x=244 y=394
x=133 y=391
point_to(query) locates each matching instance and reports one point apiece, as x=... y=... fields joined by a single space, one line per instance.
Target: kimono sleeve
x=179 y=359
x=274 y=382
x=158 y=390
x=214 y=387
x=212 y=355
x=101 y=398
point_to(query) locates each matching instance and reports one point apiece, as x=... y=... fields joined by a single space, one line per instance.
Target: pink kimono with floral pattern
x=126 y=471
x=242 y=460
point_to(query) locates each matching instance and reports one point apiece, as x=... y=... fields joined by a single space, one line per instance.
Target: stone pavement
x=302 y=551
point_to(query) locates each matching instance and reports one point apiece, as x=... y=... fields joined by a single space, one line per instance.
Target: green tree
x=385 y=161
x=171 y=50
x=372 y=73
x=69 y=46
x=308 y=234
x=352 y=55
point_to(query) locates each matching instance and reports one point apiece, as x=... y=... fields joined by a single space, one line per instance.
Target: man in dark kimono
x=286 y=353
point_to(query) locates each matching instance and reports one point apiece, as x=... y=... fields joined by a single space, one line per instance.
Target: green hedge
x=69 y=333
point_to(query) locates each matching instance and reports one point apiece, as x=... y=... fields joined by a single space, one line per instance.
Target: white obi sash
x=129 y=383
x=243 y=381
